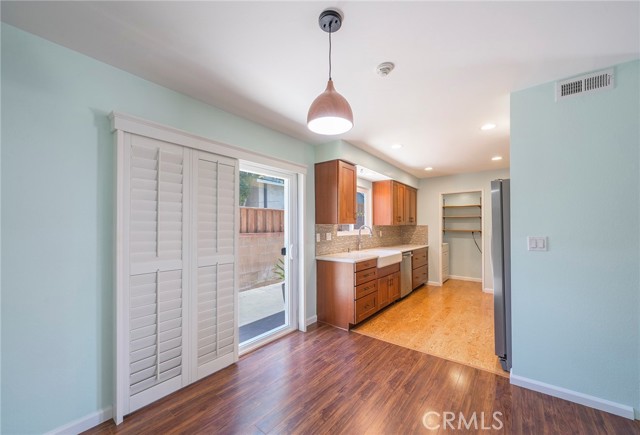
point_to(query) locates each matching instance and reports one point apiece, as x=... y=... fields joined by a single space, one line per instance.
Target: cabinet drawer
x=367 y=264
x=445 y=258
x=365 y=289
x=419 y=258
x=366 y=306
x=419 y=276
x=366 y=275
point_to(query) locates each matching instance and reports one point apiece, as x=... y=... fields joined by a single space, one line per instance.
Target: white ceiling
x=456 y=62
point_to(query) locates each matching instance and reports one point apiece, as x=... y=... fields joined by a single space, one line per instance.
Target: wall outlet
x=379 y=233
x=328 y=236
x=537 y=243
x=318 y=237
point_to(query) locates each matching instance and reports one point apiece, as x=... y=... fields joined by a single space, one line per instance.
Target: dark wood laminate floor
x=332 y=381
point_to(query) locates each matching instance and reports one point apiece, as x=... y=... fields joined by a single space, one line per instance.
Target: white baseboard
x=573 y=396
x=488 y=290
x=465 y=278
x=83 y=423
x=311 y=320
x=436 y=283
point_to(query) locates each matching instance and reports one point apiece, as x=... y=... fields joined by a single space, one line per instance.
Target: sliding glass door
x=265 y=268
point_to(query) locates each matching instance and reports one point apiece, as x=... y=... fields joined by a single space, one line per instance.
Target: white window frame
x=367 y=213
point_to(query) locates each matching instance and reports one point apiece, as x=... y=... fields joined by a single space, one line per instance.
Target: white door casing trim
x=132 y=124
x=123 y=125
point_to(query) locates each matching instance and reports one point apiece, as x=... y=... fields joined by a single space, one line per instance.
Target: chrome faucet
x=360 y=235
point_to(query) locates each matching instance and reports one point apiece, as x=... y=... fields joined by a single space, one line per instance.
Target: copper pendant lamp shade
x=330 y=113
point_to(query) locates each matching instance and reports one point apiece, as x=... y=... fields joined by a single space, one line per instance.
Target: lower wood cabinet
x=349 y=293
x=388 y=285
x=420 y=267
x=366 y=306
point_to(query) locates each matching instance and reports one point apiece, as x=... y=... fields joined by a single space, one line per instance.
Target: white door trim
x=143 y=127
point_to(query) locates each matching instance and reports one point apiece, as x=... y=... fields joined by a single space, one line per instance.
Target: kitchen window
x=363 y=213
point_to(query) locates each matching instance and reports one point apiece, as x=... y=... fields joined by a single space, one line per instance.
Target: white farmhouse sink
x=386 y=257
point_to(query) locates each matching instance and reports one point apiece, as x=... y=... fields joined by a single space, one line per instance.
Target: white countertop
x=366 y=254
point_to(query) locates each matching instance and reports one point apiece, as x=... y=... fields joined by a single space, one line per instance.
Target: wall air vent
x=586 y=84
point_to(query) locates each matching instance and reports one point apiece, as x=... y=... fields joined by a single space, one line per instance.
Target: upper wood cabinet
x=394 y=203
x=411 y=206
x=336 y=188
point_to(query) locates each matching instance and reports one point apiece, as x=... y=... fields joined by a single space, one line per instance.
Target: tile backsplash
x=391 y=236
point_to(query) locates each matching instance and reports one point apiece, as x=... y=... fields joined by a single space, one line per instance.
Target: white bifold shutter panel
x=214 y=190
x=156 y=285
x=176 y=295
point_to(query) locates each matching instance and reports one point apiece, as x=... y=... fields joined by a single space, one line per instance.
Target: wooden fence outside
x=261 y=220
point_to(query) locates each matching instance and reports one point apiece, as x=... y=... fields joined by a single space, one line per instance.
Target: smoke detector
x=385 y=68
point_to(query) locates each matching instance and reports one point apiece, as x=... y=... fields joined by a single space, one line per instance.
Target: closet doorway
x=461 y=236
x=267 y=300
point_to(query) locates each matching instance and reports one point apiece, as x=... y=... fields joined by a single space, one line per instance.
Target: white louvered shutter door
x=214 y=192
x=158 y=279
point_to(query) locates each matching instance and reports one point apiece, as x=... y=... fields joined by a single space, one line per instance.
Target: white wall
x=429 y=213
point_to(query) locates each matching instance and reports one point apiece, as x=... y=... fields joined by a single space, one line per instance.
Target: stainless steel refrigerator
x=501 y=261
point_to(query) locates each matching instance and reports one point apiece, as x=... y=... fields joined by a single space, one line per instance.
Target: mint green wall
x=575 y=178
x=57 y=219
x=343 y=150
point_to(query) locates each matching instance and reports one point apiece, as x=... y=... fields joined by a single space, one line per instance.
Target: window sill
x=347 y=233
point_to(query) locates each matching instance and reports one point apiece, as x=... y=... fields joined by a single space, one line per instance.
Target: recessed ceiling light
x=496 y=158
x=429 y=168
x=488 y=126
x=396 y=146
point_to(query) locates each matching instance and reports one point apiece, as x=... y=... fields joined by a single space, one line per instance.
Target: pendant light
x=330 y=112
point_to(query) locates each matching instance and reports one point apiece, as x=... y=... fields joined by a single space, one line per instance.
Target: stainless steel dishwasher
x=405 y=274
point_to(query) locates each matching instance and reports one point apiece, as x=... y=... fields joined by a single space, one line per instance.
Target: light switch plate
x=328 y=236
x=537 y=243
x=318 y=237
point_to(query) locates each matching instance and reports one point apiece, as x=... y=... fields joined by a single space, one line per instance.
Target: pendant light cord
x=329 y=50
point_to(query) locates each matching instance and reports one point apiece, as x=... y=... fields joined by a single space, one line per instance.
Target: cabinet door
x=347 y=188
x=383 y=292
x=335 y=192
x=383 y=203
x=394 y=287
x=398 y=203
x=410 y=206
